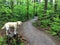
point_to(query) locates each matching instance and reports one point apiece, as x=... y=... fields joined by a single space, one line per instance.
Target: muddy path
x=34 y=36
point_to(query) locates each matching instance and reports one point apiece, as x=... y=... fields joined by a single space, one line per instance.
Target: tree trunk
x=17 y=2
x=20 y=2
x=12 y=7
x=34 y=7
x=51 y=2
x=45 y=7
x=27 y=9
x=55 y=6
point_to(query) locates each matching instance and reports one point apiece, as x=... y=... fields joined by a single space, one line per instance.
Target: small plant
x=55 y=26
x=10 y=41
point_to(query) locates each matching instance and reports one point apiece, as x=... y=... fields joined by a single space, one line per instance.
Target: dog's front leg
x=15 y=29
x=6 y=32
x=7 y=28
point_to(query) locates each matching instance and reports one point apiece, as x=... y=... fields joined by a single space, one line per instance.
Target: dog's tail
x=3 y=27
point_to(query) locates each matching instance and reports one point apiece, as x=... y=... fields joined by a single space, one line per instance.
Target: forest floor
x=34 y=36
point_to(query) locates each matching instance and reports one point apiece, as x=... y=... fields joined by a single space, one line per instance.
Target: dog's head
x=19 y=22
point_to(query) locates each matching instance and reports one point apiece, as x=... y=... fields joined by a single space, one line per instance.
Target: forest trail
x=34 y=36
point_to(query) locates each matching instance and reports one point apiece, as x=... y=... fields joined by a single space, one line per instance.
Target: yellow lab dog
x=11 y=24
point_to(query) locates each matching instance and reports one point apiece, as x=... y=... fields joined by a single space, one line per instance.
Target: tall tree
x=55 y=5
x=45 y=7
x=36 y=0
x=12 y=7
x=34 y=7
x=27 y=9
x=18 y=2
x=51 y=2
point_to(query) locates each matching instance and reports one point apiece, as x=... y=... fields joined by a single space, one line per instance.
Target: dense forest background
x=47 y=11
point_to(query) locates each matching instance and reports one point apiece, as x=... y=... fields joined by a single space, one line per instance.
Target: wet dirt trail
x=34 y=36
